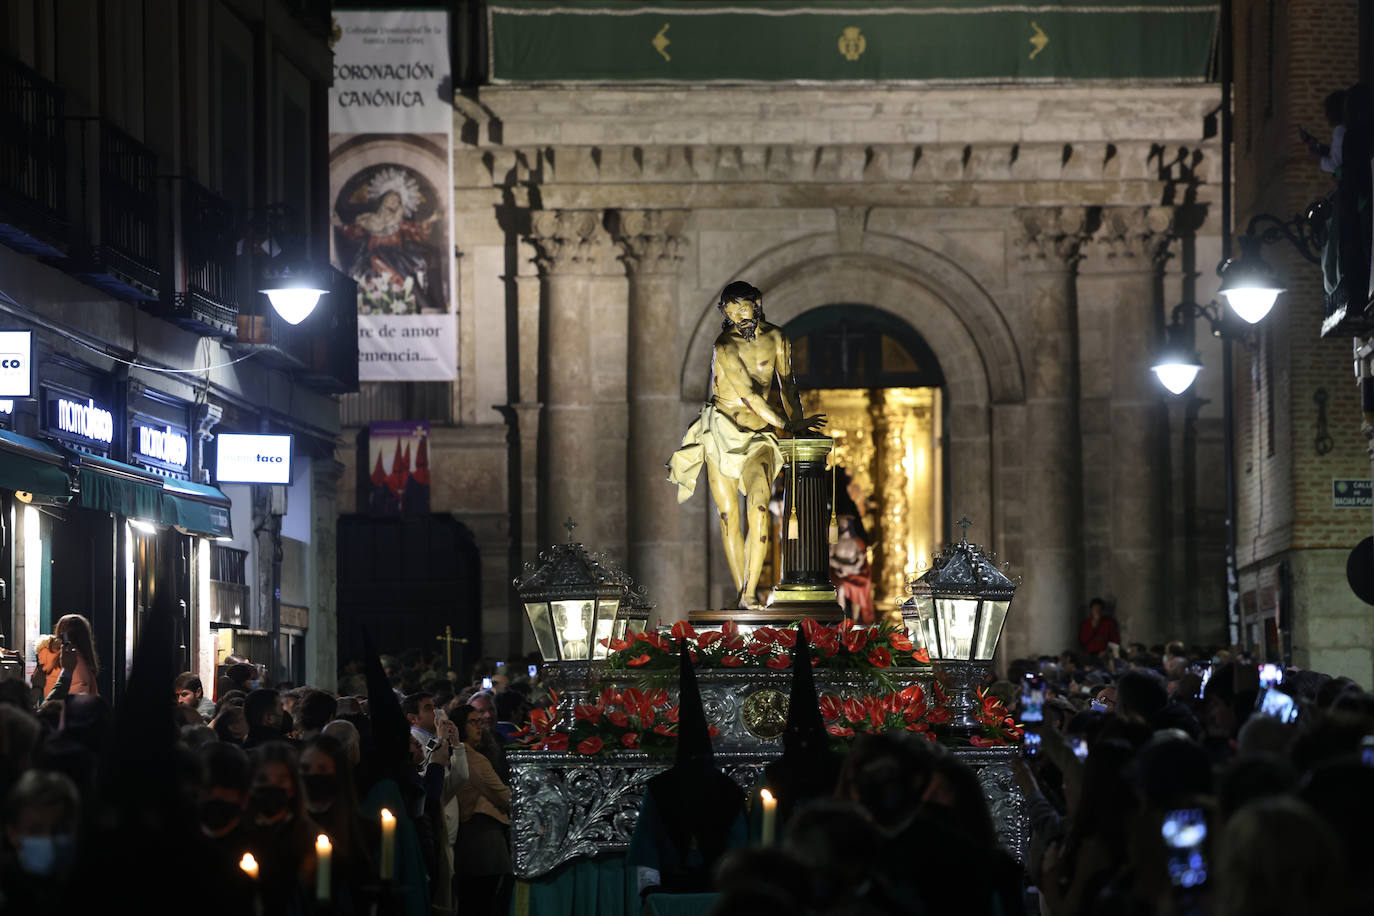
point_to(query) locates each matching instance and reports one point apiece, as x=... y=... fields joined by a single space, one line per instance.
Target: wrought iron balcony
x=208 y=301
x=123 y=257
x=33 y=162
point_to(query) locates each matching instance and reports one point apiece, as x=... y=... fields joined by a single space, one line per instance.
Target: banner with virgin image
x=390 y=181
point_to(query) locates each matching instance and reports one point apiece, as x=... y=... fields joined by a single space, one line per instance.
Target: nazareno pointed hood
x=807 y=767
x=697 y=803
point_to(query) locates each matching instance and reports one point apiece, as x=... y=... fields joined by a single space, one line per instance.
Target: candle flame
x=249 y=864
x=765 y=795
x=387 y=815
x=322 y=843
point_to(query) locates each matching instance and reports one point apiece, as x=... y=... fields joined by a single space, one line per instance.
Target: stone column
x=322 y=639
x=1048 y=244
x=583 y=375
x=1122 y=272
x=651 y=241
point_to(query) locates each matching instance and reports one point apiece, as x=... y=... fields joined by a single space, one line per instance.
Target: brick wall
x=1289 y=56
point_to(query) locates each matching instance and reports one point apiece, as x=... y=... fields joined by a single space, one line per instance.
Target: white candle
x=770 y=817
x=388 y=845
x=249 y=865
x=323 y=854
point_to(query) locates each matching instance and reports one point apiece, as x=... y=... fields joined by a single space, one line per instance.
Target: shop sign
x=16 y=364
x=85 y=421
x=165 y=445
x=1349 y=493
x=241 y=458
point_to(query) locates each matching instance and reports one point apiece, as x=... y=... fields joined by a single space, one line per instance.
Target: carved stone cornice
x=1133 y=238
x=651 y=240
x=1050 y=238
x=572 y=242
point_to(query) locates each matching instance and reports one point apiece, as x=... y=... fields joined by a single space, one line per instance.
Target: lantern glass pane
x=955 y=618
x=990 y=628
x=605 y=626
x=572 y=619
x=618 y=629
x=542 y=624
x=636 y=626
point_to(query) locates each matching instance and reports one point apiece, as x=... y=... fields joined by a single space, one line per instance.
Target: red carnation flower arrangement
x=843 y=646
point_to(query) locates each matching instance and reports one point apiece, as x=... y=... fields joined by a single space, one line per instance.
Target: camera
x=1031 y=748
x=534 y=671
x=1274 y=702
x=486 y=683
x=1269 y=675
x=1033 y=699
x=1184 y=831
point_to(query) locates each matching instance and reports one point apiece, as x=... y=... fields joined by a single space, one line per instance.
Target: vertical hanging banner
x=391 y=189
x=398 y=454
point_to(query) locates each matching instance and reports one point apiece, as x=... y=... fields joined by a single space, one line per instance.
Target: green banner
x=846 y=40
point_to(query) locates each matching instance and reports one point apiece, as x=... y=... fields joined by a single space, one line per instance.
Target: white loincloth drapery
x=716 y=437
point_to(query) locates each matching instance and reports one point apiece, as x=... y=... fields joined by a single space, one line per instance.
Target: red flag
x=422 y=461
x=379 y=473
x=396 y=479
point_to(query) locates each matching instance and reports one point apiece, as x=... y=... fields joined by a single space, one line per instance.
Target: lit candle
x=323 y=853
x=388 y=845
x=770 y=817
x=249 y=865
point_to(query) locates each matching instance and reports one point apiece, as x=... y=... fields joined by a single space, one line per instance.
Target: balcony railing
x=208 y=301
x=33 y=162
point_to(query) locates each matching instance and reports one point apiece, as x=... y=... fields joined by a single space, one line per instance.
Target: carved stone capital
x=1051 y=238
x=651 y=240
x=1134 y=238
x=572 y=242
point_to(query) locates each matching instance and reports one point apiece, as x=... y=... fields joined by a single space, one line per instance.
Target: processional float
x=577 y=784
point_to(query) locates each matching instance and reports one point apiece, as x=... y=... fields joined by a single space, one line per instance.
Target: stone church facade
x=1033 y=237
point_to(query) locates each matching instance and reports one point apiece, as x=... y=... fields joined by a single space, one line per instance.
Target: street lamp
x=292 y=288
x=956 y=611
x=1248 y=283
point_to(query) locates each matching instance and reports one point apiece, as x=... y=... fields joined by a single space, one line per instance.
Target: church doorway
x=881 y=388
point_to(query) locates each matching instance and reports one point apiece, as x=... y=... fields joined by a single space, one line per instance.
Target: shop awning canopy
x=112 y=486
x=33 y=466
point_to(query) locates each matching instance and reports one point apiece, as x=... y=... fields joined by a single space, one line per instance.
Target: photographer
x=442 y=772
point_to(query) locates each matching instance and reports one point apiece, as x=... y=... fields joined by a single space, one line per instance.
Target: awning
x=112 y=486
x=33 y=466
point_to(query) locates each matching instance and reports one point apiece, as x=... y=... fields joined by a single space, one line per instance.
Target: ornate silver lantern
x=572 y=601
x=956 y=610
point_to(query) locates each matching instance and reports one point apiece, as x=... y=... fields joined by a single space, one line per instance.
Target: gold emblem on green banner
x=1038 y=41
x=852 y=43
x=661 y=41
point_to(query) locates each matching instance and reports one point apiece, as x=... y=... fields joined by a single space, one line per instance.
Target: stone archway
x=935 y=297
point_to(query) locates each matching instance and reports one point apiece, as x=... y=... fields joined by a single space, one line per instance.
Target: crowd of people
x=1164 y=780
x=189 y=782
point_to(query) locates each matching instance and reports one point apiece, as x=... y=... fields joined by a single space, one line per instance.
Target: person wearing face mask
x=40 y=822
x=279 y=833
x=330 y=801
x=221 y=813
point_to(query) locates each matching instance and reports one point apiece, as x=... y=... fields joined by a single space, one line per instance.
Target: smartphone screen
x=1206 y=676
x=486 y=683
x=1080 y=748
x=1276 y=703
x=1032 y=746
x=500 y=664
x=1184 y=832
x=1033 y=699
x=534 y=671
x=1270 y=675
